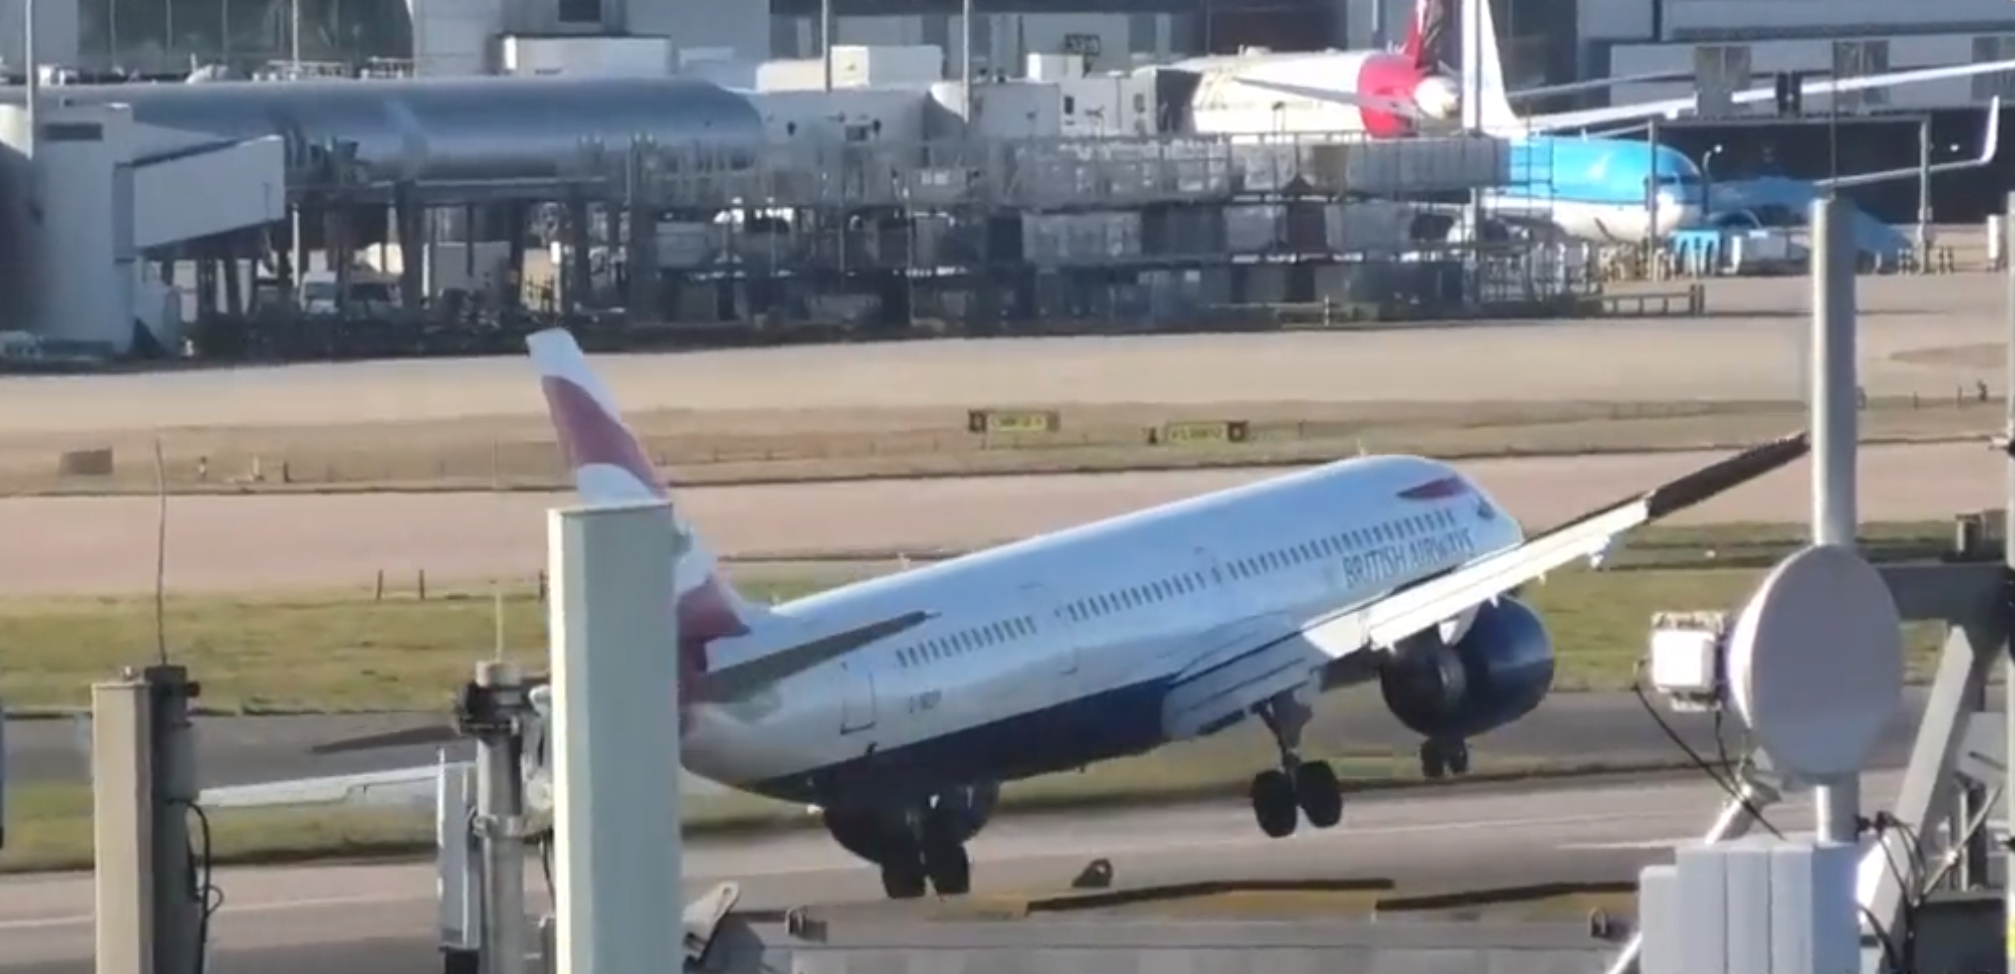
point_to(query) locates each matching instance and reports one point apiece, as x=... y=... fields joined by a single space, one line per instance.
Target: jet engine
x=881 y=834
x=1497 y=670
x=1437 y=97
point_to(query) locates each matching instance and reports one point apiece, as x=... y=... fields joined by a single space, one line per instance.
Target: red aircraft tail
x=1427 y=33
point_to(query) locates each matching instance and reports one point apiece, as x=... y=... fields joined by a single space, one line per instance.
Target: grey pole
x=1924 y=196
x=2008 y=549
x=966 y=62
x=1834 y=441
x=826 y=40
x=500 y=811
x=34 y=79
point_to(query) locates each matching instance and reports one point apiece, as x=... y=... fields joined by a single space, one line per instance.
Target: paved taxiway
x=1459 y=838
x=243 y=543
x=1588 y=727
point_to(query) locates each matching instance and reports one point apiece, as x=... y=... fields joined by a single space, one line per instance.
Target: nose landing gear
x=1281 y=797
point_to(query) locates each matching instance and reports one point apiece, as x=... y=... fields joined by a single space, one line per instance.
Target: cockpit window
x=1679 y=179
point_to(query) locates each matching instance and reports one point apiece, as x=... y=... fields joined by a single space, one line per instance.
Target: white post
x=615 y=738
x=1834 y=442
x=456 y=873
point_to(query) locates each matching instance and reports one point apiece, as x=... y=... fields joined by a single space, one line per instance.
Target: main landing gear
x=1281 y=797
x=1444 y=758
x=930 y=856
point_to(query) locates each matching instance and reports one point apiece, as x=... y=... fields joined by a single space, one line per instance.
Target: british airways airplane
x=899 y=705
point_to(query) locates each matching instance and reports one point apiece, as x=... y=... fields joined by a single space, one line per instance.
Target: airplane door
x=857 y=704
x=1057 y=625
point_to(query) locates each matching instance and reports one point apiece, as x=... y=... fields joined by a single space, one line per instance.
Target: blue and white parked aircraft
x=1599 y=189
x=899 y=705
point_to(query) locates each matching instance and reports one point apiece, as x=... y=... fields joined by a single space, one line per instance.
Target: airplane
x=1602 y=190
x=1387 y=91
x=1619 y=190
x=1284 y=98
x=897 y=706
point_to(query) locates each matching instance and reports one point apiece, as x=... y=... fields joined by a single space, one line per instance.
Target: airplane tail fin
x=1425 y=32
x=610 y=465
x=1483 y=74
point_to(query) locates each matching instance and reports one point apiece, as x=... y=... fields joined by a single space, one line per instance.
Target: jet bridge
x=94 y=191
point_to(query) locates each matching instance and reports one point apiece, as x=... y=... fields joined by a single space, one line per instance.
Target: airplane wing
x=1674 y=107
x=400 y=788
x=1382 y=624
x=1990 y=146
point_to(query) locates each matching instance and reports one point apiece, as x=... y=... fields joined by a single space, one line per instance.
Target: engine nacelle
x=1496 y=672
x=881 y=834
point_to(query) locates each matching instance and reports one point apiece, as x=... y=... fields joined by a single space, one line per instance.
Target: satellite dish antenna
x=1815 y=662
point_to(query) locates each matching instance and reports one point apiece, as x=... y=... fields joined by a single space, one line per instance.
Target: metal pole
x=33 y=80
x=1834 y=441
x=294 y=37
x=617 y=859
x=2008 y=550
x=966 y=61
x=1651 y=202
x=826 y=40
x=1924 y=196
x=500 y=809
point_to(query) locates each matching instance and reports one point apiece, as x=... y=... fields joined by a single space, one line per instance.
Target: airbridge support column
x=615 y=743
x=409 y=222
x=578 y=270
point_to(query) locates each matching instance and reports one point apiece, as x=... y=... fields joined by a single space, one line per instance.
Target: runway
x=309 y=919
x=1584 y=727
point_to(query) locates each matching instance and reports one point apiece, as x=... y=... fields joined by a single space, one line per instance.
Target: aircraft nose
x=1437 y=97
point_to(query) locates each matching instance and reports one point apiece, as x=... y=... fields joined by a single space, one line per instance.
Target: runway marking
x=1634 y=844
x=272 y=906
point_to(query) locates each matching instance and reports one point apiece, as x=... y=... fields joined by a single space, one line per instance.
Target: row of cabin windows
x=1188 y=583
x=1185 y=583
x=954 y=644
x=1338 y=545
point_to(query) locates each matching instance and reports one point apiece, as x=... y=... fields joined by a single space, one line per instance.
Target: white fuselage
x=1225 y=105
x=1082 y=645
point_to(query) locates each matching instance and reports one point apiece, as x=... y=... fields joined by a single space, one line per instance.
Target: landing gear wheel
x=950 y=869
x=903 y=880
x=1443 y=759
x=1456 y=754
x=1273 y=804
x=1433 y=766
x=1320 y=795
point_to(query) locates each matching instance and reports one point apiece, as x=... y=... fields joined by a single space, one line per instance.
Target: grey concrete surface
x=1593 y=727
x=1446 y=841
x=234 y=543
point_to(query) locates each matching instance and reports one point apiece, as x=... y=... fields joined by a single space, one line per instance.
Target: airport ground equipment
x=154 y=898
x=1959 y=749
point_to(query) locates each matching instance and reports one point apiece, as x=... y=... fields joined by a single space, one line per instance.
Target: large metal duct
x=454 y=130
